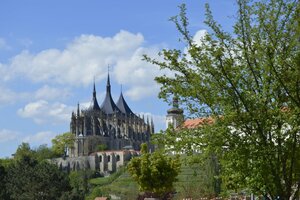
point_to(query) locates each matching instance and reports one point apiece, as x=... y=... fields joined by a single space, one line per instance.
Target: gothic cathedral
x=112 y=126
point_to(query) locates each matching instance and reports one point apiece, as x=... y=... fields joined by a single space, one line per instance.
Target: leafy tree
x=43 y=152
x=6 y=162
x=3 y=178
x=29 y=179
x=248 y=81
x=62 y=142
x=22 y=151
x=155 y=173
x=79 y=181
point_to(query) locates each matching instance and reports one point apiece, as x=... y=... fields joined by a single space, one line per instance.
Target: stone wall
x=103 y=161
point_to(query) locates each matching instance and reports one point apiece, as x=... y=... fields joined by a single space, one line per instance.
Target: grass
x=192 y=181
x=119 y=184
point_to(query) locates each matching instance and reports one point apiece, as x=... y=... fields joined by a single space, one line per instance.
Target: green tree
x=29 y=179
x=154 y=173
x=248 y=81
x=62 y=142
x=43 y=152
x=79 y=181
x=3 y=178
x=22 y=151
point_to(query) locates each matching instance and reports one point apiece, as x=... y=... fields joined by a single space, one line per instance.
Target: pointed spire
x=78 y=112
x=108 y=105
x=152 y=126
x=108 y=84
x=94 y=91
x=123 y=106
x=94 y=104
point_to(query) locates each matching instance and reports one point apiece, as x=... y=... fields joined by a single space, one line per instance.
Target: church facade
x=111 y=126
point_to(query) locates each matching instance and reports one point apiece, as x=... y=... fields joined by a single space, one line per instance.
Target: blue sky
x=50 y=52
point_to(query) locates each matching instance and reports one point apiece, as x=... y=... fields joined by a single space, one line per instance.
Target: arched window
x=108 y=158
x=118 y=158
x=100 y=158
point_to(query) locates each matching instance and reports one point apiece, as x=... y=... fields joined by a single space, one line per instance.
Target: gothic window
x=119 y=132
x=143 y=136
x=113 y=131
x=100 y=158
x=108 y=158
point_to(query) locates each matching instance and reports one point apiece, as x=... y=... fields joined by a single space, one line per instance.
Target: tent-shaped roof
x=108 y=105
x=123 y=106
x=94 y=104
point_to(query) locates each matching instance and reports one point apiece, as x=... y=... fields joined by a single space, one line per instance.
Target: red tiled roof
x=101 y=198
x=194 y=123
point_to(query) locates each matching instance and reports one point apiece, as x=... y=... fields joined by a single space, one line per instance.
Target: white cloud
x=5 y=76
x=142 y=91
x=26 y=42
x=197 y=39
x=139 y=75
x=7 y=135
x=43 y=112
x=7 y=96
x=39 y=138
x=50 y=93
x=88 y=56
x=199 y=36
x=45 y=93
x=3 y=44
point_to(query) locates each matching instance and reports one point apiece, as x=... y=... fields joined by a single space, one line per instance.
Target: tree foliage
x=23 y=150
x=62 y=142
x=30 y=179
x=3 y=190
x=154 y=172
x=43 y=152
x=40 y=153
x=248 y=81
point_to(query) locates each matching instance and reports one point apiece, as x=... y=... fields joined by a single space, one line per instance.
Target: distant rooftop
x=194 y=123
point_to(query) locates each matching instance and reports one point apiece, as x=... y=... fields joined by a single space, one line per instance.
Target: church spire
x=123 y=106
x=108 y=105
x=108 y=84
x=94 y=104
x=78 y=112
x=94 y=91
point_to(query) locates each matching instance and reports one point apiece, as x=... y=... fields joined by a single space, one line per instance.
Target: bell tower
x=175 y=115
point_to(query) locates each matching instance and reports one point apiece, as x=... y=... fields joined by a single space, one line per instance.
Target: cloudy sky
x=51 y=51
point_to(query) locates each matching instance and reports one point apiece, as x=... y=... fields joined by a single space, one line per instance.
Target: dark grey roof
x=175 y=109
x=108 y=105
x=122 y=105
x=94 y=104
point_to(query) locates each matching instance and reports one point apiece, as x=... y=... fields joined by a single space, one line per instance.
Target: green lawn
x=119 y=184
x=192 y=181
